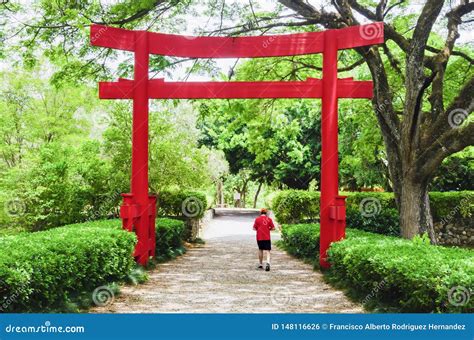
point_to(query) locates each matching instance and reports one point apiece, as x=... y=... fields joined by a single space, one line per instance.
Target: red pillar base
x=141 y=220
x=333 y=227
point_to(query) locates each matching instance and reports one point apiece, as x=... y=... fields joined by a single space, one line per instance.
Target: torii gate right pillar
x=332 y=206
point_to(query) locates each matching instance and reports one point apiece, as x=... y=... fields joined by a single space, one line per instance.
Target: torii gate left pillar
x=138 y=211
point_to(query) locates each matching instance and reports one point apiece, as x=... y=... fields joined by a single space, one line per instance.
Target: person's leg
x=267 y=266
x=260 y=256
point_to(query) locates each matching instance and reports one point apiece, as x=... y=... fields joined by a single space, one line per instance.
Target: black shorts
x=264 y=245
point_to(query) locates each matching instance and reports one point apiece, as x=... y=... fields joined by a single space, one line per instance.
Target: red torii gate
x=138 y=211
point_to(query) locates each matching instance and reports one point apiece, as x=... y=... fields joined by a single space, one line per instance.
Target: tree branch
x=415 y=81
x=138 y=15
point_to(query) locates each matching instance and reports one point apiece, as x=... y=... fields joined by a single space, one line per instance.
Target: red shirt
x=263 y=225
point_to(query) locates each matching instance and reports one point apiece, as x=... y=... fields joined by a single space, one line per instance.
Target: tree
x=282 y=144
x=60 y=31
x=176 y=161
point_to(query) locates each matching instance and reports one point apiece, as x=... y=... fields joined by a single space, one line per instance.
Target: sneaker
x=260 y=267
x=267 y=267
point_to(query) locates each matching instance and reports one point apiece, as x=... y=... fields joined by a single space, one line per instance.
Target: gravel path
x=221 y=277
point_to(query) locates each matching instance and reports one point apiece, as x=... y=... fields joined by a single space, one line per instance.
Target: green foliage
x=361 y=148
x=182 y=203
x=301 y=240
x=370 y=211
x=276 y=141
x=456 y=172
x=137 y=275
x=58 y=185
x=386 y=200
x=412 y=276
x=292 y=206
x=169 y=238
x=405 y=275
x=386 y=222
x=449 y=205
x=47 y=270
x=175 y=158
x=58 y=173
x=64 y=35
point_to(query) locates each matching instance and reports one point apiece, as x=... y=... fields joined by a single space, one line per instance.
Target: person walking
x=263 y=224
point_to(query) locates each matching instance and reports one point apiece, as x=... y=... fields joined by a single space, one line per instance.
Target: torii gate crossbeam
x=138 y=211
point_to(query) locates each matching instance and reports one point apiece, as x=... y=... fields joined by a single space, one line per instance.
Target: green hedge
x=301 y=240
x=411 y=276
x=46 y=270
x=294 y=206
x=456 y=204
x=183 y=203
x=369 y=211
x=169 y=238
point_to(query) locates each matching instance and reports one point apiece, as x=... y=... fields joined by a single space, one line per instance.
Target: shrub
x=413 y=276
x=169 y=238
x=46 y=270
x=386 y=222
x=458 y=204
x=370 y=211
x=61 y=185
x=456 y=172
x=385 y=200
x=301 y=240
x=293 y=206
x=187 y=203
x=409 y=275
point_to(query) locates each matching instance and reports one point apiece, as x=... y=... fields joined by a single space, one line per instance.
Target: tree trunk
x=415 y=214
x=220 y=194
x=243 y=194
x=256 y=195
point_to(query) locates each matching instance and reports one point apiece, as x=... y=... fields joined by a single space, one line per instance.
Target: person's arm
x=272 y=226
x=255 y=225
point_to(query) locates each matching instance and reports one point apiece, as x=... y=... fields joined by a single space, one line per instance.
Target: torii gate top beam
x=160 y=89
x=237 y=47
